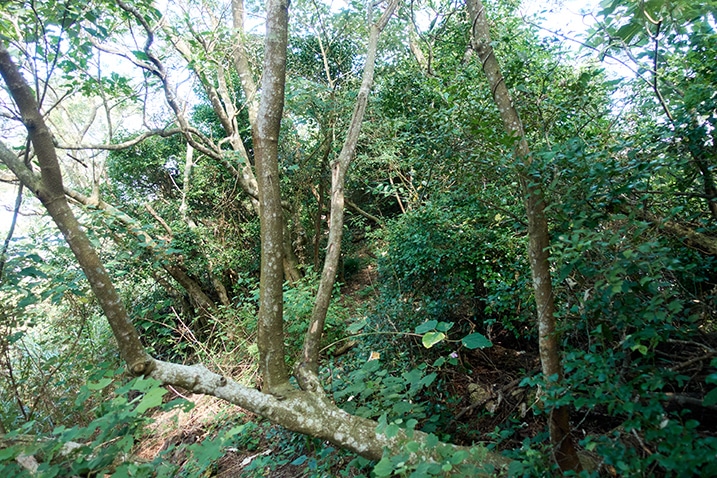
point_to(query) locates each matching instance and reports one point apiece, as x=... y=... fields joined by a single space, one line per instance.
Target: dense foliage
x=434 y=320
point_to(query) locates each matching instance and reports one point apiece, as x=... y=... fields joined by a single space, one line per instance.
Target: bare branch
x=11 y=231
x=163 y=133
x=159 y=219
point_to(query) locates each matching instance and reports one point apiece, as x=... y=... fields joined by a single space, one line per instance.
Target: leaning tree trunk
x=539 y=238
x=307 y=368
x=50 y=191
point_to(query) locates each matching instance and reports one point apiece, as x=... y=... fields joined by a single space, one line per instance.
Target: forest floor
x=486 y=395
x=493 y=385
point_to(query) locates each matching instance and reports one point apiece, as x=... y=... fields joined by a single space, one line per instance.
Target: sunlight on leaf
x=432 y=338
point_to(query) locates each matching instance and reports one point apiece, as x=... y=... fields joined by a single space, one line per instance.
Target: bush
x=103 y=445
x=453 y=258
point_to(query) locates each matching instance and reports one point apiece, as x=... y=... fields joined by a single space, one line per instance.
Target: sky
x=564 y=16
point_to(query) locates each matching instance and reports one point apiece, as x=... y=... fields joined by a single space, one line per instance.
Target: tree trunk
x=314 y=415
x=50 y=191
x=270 y=336
x=307 y=368
x=539 y=238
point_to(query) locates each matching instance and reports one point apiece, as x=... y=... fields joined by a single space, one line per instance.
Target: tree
x=539 y=236
x=304 y=410
x=667 y=45
x=197 y=173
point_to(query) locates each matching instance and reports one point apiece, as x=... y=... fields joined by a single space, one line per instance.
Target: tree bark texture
x=312 y=414
x=539 y=238
x=270 y=330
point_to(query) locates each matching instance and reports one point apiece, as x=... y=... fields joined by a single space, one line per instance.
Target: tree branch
x=163 y=133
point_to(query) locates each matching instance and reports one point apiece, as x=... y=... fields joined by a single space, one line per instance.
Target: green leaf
x=32 y=271
x=392 y=430
x=383 y=468
x=99 y=385
x=476 y=341
x=140 y=55
x=8 y=453
x=458 y=457
x=710 y=398
x=153 y=398
x=432 y=338
x=144 y=384
x=356 y=326
x=629 y=31
x=428 y=379
x=640 y=348
x=426 y=327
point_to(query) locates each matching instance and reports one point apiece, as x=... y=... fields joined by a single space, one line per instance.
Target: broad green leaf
x=628 y=32
x=428 y=379
x=432 y=338
x=444 y=326
x=710 y=398
x=392 y=430
x=142 y=384
x=100 y=384
x=356 y=326
x=384 y=467
x=8 y=453
x=151 y=399
x=458 y=457
x=426 y=327
x=476 y=341
x=412 y=446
